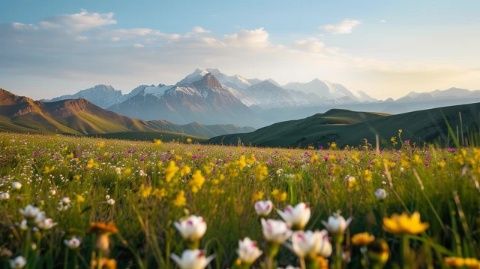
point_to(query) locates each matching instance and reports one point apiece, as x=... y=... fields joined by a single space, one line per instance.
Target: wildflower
x=192 y=259
x=258 y=195
x=18 y=262
x=296 y=217
x=242 y=162
x=362 y=239
x=279 y=196
x=380 y=194
x=459 y=262
x=310 y=244
x=263 y=208
x=104 y=263
x=64 y=204
x=248 y=251
x=351 y=182
x=261 y=172
x=378 y=252
x=103 y=231
x=30 y=212
x=72 y=243
x=191 y=228
x=16 y=185
x=111 y=202
x=43 y=222
x=170 y=171
x=367 y=175
x=180 y=200
x=186 y=170
x=197 y=181
x=157 y=142
x=275 y=231
x=4 y=196
x=404 y=224
x=79 y=199
x=337 y=224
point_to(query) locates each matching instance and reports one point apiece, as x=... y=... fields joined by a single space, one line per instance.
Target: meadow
x=70 y=202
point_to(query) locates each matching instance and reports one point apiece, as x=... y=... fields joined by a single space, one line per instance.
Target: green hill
x=345 y=127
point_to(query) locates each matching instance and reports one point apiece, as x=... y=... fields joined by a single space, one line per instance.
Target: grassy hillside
x=345 y=127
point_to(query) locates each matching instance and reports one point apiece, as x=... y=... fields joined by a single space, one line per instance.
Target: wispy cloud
x=344 y=27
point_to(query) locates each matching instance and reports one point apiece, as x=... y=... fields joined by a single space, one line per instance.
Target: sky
x=385 y=48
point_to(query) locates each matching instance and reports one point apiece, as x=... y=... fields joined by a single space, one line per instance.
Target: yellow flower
x=157 y=142
x=279 y=196
x=261 y=172
x=404 y=224
x=186 y=170
x=242 y=162
x=367 y=175
x=460 y=262
x=159 y=193
x=170 y=171
x=145 y=191
x=351 y=182
x=333 y=146
x=257 y=196
x=80 y=199
x=197 y=181
x=362 y=239
x=104 y=263
x=180 y=200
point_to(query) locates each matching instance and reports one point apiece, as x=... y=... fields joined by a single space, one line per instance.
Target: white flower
x=263 y=208
x=275 y=231
x=381 y=194
x=296 y=217
x=337 y=224
x=118 y=170
x=43 y=222
x=192 y=228
x=72 y=243
x=110 y=201
x=16 y=185
x=64 y=204
x=311 y=244
x=4 y=196
x=23 y=225
x=18 y=263
x=192 y=259
x=248 y=251
x=30 y=211
x=142 y=173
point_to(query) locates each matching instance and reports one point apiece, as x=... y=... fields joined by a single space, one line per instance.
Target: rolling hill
x=80 y=117
x=352 y=128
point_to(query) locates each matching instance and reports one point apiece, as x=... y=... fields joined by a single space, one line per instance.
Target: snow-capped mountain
x=441 y=95
x=330 y=91
x=195 y=98
x=100 y=95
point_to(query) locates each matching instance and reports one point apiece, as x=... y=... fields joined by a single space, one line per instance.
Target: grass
x=442 y=185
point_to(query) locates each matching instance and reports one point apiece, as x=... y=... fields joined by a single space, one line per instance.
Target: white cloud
x=344 y=27
x=310 y=45
x=256 y=38
x=79 y=22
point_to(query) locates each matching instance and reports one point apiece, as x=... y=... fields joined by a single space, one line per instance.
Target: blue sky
x=385 y=48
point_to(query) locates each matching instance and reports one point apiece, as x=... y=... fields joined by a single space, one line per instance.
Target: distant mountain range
x=81 y=117
x=445 y=126
x=209 y=96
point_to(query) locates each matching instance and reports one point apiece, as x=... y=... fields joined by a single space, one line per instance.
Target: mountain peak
x=208 y=81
